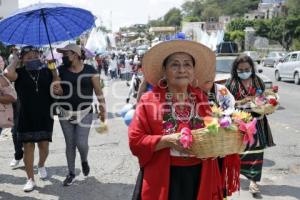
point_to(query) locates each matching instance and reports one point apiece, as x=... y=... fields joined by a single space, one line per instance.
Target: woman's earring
x=162 y=83
x=195 y=83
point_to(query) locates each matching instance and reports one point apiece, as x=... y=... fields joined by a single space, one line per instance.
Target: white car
x=289 y=67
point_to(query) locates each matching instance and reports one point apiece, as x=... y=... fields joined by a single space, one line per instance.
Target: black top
x=78 y=94
x=35 y=102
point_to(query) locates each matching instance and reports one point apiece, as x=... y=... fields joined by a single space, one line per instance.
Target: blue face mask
x=244 y=75
x=33 y=65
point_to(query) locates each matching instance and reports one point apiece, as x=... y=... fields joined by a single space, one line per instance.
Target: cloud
x=120 y=13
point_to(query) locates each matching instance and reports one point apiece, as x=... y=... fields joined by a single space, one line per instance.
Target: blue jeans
x=113 y=74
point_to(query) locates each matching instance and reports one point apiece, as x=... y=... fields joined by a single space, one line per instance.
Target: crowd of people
x=177 y=73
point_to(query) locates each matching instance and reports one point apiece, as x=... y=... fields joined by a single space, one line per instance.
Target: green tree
x=173 y=17
x=238 y=8
x=192 y=9
x=293 y=7
x=235 y=8
x=283 y=30
x=227 y=37
x=211 y=11
x=192 y=19
x=262 y=27
x=238 y=37
x=296 y=45
x=239 y=24
x=157 y=22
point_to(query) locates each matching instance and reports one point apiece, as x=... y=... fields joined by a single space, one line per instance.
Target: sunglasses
x=27 y=49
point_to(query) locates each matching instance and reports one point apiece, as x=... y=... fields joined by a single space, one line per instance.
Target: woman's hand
x=171 y=141
x=245 y=100
x=102 y=112
x=10 y=71
x=57 y=89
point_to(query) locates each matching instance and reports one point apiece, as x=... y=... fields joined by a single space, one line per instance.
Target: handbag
x=6 y=110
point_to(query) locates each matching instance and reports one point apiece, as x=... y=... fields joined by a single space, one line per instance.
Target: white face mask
x=244 y=75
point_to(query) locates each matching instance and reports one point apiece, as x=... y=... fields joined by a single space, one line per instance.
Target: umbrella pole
x=47 y=32
x=51 y=65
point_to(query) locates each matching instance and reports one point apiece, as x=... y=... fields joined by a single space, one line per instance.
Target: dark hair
x=82 y=57
x=242 y=59
x=27 y=49
x=166 y=60
x=113 y=55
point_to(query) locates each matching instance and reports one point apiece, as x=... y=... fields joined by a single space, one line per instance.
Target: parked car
x=289 y=67
x=273 y=58
x=254 y=55
x=224 y=65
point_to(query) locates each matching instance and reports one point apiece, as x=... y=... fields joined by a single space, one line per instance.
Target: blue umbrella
x=45 y=23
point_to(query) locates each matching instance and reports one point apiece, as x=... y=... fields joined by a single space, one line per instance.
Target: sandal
x=253 y=188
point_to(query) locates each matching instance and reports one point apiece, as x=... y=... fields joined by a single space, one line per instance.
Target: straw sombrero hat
x=205 y=60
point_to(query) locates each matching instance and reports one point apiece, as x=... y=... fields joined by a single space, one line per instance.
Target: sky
x=119 y=13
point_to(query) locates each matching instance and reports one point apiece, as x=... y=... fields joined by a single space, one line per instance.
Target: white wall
x=7 y=7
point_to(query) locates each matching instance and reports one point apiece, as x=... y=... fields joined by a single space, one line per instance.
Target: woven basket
x=225 y=142
x=267 y=108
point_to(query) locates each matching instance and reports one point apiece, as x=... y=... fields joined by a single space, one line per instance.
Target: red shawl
x=145 y=132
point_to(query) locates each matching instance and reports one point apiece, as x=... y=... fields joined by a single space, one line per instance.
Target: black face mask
x=66 y=61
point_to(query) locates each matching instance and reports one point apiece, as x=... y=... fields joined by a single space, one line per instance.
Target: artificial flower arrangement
x=221 y=135
x=224 y=132
x=265 y=102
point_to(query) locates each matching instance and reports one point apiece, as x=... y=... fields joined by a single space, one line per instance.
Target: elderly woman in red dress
x=168 y=170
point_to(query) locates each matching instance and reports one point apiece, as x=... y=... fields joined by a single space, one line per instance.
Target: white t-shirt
x=128 y=67
x=113 y=65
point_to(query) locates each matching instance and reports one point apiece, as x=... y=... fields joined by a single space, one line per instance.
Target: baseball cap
x=27 y=49
x=70 y=47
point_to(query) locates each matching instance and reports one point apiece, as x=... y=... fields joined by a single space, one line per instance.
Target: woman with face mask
x=244 y=84
x=78 y=82
x=32 y=82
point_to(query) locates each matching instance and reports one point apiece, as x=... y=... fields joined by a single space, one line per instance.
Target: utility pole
x=111 y=24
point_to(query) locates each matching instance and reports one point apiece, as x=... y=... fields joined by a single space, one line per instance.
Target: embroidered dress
x=252 y=157
x=185 y=170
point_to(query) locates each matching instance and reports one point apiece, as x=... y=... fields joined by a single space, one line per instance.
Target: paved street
x=114 y=169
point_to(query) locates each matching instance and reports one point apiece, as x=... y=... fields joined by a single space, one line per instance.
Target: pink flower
x=275 y=88
x=225 y=122
x=186 y=138
x=198 y=126
x=168 y=125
